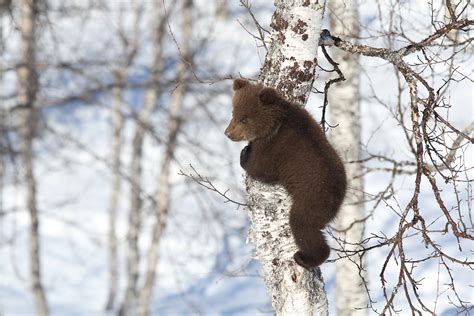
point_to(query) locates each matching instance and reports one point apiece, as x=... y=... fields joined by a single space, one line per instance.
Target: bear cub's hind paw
x=301 y=261
x=307 y=262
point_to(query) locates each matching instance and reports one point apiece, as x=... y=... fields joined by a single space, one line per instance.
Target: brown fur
x=287 y=146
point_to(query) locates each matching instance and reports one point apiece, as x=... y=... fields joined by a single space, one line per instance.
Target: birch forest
x=121 y=195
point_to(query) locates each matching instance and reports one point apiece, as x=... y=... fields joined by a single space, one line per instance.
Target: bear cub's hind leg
x=314 y=254
x=310 y=261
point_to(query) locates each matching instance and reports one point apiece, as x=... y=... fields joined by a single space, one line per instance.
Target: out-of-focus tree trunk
x=130 y=49
x=3 y=128
x=222 y=9
x=3 y=11
x=163 y=194
x=5 y=6
x=117 y=124
x=289 y=66
x=143 y=120
x=27 y=90
x=344 y=109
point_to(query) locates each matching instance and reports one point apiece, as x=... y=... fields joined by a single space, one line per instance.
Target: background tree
x=163 y=197
x=345 y=115
x=27 y=91
x=144 y=115
x=130 y=49
x=433 y=142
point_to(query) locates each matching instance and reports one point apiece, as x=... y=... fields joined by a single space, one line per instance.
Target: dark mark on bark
x=300 y=27
x=281 y=37
x=301 y=99
x=301 y=75
x=294 y=277
x=286 y=89
x=304 y=37
x=308 y=64
x=278 y=23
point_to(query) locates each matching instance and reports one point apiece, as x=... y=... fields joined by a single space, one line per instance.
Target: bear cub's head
x=256 y=112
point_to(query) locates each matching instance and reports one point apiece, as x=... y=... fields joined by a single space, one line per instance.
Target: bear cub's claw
x=244 y=156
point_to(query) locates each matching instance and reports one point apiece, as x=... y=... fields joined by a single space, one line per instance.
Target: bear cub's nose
x=227 y=133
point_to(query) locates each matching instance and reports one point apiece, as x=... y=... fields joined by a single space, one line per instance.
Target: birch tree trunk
x=163 y=194
x=143 y=120
x=344 y=109
x=27 y=90
x=130 y=50
x=3 y=11
x=289 y=66
x=117 y=125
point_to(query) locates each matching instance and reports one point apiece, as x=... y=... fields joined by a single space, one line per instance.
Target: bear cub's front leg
x=245 y=156
x=261 y=169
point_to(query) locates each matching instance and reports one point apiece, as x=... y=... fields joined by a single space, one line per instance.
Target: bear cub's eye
x=243 y=120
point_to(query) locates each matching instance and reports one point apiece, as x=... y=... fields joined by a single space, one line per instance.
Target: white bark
x=143 y=120
x=2 y=47
x=117 y=125
x=130 y=50
x=344 y=109
x=28 y=85
x=163 y=194
x=289 y=66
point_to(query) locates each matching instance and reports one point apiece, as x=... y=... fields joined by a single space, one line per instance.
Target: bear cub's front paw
x=244 y=156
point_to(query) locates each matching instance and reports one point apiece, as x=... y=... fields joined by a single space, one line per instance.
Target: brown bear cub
x=287 y=146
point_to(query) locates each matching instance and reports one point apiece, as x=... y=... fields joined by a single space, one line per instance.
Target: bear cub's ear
x=240 y=83
x=269 y=96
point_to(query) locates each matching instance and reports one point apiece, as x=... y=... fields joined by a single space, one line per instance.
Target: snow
x=206 y=266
